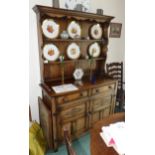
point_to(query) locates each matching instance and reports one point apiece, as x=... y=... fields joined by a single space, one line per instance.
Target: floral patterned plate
x=96 y=31
x=73 y=51
x=74 y=30
x=94 y=50
x=50 y=28
x=51 y=52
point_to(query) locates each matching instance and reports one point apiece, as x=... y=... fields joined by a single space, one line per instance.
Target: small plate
x=78 y=74
x=50 y=28
x=74 y=30
x=96 y=31
x=94 y=50
x=73 y=51
x=51 y=52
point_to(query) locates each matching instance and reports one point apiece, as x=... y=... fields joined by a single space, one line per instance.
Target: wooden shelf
x=74 y=61
x=74 y=40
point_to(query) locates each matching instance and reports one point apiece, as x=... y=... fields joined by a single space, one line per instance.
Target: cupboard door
x=74 y=117
x=100 y=107
x=106 y=89
x=46 y=122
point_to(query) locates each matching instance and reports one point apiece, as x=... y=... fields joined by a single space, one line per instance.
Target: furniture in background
x=115 y=70
x=68 y=142
x=78 y=110
x=97 y=144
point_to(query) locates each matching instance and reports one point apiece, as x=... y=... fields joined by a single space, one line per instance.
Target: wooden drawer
x=73 y=112
x=101 y=103
x=106 y=89
x=71 y=97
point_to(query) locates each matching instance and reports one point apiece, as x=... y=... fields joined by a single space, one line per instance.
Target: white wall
x=34 y=71
x=116 y=45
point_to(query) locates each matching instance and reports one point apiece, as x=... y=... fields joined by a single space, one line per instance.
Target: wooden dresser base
x=78 y=111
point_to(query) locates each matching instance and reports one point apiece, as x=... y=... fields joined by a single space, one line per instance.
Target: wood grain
x=78 y=110
x=97 y=145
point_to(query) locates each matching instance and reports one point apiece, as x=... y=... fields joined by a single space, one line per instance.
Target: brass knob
x=97 y=90
x=64 y=99
x=81 y=95
x=110 y=87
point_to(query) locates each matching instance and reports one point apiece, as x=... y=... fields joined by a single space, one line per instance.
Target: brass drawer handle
x=97 y=91
x=64 y=99
x=81 y=94
x=110 y=87
x=89 y=113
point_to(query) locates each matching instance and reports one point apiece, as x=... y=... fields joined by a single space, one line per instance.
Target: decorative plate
x=78 y=74
x=94 y=50
x=73 y=51
x=96 y=31
x=51 y=52
x=74 y=30
x=50 y=28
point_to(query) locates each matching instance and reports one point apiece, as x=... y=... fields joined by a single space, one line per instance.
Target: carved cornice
x=57 y=12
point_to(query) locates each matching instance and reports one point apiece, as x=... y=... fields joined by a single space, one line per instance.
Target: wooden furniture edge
x=73 y=13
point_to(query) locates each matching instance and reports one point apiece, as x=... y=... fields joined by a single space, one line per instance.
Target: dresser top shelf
x=75 y=40
x=57 y=12
x=75 y=61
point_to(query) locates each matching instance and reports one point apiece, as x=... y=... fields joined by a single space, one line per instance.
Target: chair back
x=68 y=143
x=115 y=71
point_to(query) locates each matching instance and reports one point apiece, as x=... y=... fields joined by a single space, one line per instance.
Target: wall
x=116 y=45
x=34 y=71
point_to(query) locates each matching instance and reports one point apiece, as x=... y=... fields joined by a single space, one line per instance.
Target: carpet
x=81 y=147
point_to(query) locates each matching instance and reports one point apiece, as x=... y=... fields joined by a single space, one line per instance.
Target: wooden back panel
x=53 y=72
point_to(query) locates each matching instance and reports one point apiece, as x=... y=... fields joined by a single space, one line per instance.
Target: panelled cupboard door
x=72 y=115
x=46 y=122
x=100 y=107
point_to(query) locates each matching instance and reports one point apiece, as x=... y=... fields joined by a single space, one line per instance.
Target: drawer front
x=106 y=89
x=73 y=112
x=71 y=97
x=101 y=103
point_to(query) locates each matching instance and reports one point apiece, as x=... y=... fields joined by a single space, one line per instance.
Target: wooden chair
x=115 y=71
x=68 y=143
